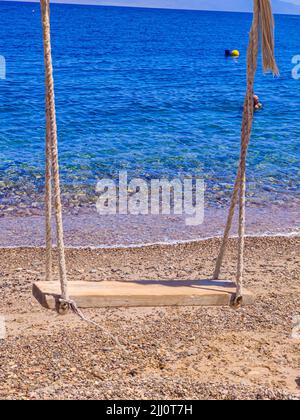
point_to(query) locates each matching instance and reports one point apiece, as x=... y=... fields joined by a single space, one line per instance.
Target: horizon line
x=141 y=7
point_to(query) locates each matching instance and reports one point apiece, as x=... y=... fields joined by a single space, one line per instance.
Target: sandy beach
x=171 y=353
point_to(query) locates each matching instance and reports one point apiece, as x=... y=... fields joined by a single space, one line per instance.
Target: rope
x=48 y=194
x=52 y=156
x=263 y=23
x=71 y=304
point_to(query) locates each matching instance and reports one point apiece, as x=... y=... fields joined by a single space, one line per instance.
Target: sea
x=149 y=92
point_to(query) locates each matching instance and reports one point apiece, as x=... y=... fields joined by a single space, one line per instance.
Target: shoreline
x=281 y=235
x=88 y=229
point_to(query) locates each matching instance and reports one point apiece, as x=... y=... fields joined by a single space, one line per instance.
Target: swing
x=64 y=295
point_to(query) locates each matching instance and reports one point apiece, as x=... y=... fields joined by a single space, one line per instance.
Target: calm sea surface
x=148 y=91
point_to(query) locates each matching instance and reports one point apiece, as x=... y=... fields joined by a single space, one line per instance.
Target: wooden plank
x=141 y=293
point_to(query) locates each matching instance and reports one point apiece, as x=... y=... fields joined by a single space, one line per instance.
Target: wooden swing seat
x=144 y=293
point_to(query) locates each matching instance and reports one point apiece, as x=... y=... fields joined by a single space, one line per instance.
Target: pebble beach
x=166 y=353
x=156 y=106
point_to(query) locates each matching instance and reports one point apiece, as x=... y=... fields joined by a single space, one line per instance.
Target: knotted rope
x=262 y=26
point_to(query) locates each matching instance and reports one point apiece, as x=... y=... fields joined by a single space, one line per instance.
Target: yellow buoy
x=235 y=53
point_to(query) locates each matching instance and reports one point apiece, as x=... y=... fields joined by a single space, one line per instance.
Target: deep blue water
x=149 y=91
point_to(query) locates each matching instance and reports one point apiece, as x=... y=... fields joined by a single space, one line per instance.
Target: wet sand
x=176 y=353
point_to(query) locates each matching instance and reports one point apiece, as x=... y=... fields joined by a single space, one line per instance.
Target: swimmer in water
x=256 y=104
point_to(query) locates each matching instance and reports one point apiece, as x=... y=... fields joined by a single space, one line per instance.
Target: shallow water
x=148 y=91
x=88 y=229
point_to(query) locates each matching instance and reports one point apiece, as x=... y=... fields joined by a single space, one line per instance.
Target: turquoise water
x=148 y=91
